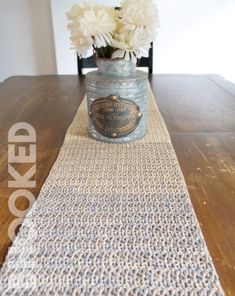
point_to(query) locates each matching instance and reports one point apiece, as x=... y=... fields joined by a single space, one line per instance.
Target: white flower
x=130 y=44
x=142 y=14
x=128 y=32
x=136 y=29
x=91 y=25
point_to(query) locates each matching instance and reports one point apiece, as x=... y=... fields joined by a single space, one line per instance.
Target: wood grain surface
x=199 y=112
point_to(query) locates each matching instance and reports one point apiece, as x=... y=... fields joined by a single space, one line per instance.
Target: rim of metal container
x=96 y=76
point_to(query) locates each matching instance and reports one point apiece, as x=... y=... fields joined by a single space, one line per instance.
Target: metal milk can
x=117 y=101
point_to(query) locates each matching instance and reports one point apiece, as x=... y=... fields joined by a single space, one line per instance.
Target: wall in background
x=196 y=37
x=27 y=46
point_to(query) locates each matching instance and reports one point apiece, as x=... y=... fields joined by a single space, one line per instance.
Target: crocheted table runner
x=112 y=219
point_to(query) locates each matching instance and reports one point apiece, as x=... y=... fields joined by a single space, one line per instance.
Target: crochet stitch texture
x=112 y=219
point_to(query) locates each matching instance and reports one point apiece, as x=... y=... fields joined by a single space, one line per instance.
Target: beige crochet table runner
x=112 y=220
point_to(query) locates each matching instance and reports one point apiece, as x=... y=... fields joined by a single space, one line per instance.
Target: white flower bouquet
x=125 y=33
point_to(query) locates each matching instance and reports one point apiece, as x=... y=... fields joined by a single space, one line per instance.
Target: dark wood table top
x=199 y=112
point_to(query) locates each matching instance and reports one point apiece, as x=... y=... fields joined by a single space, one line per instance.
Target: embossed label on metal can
x=114 y=117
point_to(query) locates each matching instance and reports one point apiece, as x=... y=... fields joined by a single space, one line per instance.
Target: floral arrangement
x=124 y=33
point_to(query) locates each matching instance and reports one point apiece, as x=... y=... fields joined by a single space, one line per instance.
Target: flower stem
x=102 y=52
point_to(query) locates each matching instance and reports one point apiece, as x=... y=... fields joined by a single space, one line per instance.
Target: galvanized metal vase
x=117 y=101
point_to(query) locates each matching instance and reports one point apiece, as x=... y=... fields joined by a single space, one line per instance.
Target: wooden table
x=199 y=112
